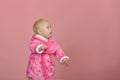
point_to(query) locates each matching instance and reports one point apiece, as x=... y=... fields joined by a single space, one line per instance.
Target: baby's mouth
x=50 y=33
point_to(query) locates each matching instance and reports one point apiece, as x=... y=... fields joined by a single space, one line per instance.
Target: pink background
x=87 y=30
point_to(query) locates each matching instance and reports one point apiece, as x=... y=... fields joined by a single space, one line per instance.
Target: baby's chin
x=49 y=36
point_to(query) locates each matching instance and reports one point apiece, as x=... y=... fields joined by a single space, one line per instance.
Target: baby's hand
x=65 y=61
x=43 y=47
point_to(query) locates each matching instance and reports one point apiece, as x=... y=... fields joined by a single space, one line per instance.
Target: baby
x=43 y=48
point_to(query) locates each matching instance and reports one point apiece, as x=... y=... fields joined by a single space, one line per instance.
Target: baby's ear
x=39 y=31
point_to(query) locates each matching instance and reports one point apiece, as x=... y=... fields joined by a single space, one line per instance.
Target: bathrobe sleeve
x=59 y=54
x=35 y=45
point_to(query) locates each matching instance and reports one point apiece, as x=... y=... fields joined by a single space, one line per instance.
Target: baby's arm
x=41 y=48
x=37 y=47
x=60 y=54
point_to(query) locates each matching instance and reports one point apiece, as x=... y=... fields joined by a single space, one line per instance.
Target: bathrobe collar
x=41 y=37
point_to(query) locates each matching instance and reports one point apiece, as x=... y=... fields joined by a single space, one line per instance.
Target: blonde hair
x=37 y=24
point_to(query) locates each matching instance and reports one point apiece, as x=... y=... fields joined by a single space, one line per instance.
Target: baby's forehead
x=44 y=24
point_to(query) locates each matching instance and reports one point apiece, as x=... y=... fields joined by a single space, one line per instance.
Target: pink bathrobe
x=41 y=64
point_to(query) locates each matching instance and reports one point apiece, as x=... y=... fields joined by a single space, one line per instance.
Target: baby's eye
x=47 y=26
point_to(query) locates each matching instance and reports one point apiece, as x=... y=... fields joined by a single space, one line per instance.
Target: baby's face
x=45 y=30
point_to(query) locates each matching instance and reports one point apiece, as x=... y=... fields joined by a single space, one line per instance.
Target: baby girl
x=43 y=48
